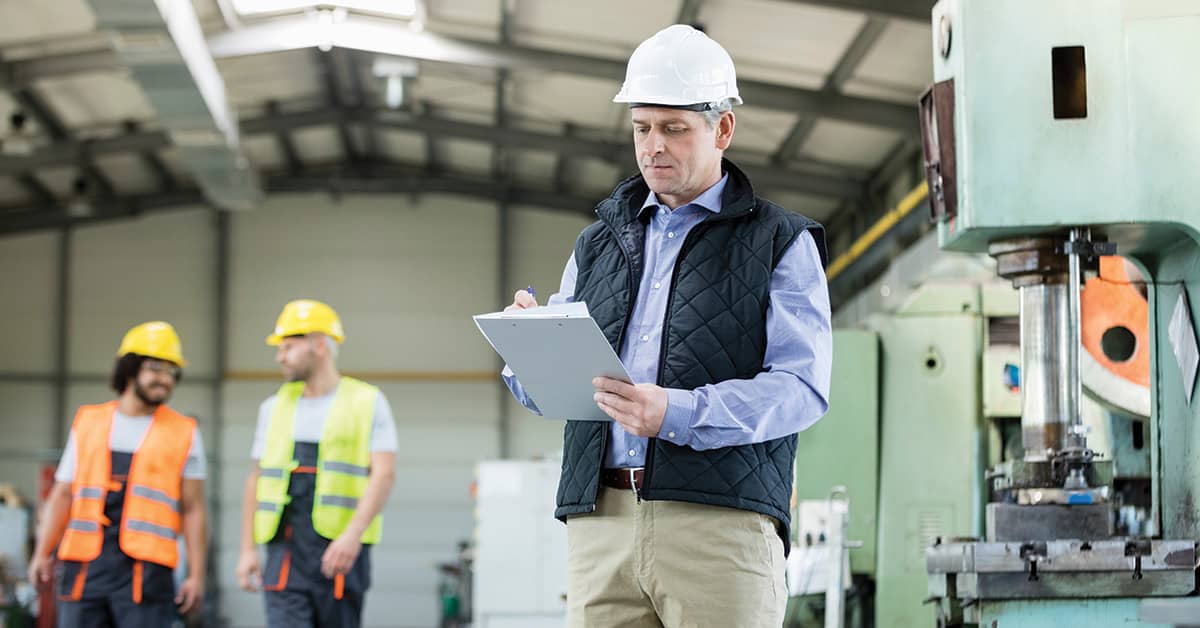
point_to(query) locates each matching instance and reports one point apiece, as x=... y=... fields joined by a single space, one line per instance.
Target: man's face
x=297 y=357
x=678 y=153
x=155 y=381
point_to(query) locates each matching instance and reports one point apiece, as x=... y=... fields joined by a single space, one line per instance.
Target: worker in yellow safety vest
x=324 y=456
x=130 y=481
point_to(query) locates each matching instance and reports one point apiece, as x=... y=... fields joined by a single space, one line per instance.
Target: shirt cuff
x=676 y=425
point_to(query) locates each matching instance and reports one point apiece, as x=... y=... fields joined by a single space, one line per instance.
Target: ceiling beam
x=564 y=165
x=18 y=73
x=620 y=153
x=405 y=179
x=257 y=39
x=333 y=93
x=380 y=35
x=41 y=194
x=371 y=145
x=166 y=179
x=56 y=216
x=912 y=10
x=38 y=109
x=383 y=178
x=283 y=139
x=435 y=153
x=500 y=158
x=862 y=43
x=500 y=161
x=822 y=184
x=69 y=153
x=689 y=12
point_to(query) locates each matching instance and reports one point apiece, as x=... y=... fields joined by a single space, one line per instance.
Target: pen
x=531 y=292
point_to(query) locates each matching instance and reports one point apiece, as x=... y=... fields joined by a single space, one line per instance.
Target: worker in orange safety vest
x=130 y=481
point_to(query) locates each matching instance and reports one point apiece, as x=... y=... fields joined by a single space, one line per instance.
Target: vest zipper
x=632 y=286
x=662 y=351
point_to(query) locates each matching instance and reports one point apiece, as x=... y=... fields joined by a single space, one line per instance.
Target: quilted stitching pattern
x=577 y=484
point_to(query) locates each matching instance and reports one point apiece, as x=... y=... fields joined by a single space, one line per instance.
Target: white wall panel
x=405 y=279
x=28 y=272
x=26 y=434
x=542 y=241
x=155 y=268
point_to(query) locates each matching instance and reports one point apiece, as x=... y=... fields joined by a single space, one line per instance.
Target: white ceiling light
x=394 y=71
x=392 y=8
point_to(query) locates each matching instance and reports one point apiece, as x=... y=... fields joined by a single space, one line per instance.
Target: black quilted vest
x=714 y=330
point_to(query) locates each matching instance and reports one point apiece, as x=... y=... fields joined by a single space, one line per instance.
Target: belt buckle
x=633 y=481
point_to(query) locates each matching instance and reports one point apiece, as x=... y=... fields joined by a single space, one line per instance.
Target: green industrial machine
x=896 y=439
x=921 y=409
x=1058 y=131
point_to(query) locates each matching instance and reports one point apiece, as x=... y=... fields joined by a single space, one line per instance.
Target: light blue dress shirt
x=791 y=393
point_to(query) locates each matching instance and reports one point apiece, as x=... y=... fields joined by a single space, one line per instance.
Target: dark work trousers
x=297 y=594
x=99 y=594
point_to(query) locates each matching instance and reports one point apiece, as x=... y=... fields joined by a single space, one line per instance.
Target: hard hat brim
x=673 y=103
x=177 y=361
x=274 y=340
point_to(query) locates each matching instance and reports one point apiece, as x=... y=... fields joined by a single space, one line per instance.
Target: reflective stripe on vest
x=150 y=515
x=344 y=459
x=350 y=469
x=83 y=526
x=340 y=501
x=155 y=495
x=151 y=529
x=90 y=492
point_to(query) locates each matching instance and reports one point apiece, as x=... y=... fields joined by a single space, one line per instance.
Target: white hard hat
x=679 y=66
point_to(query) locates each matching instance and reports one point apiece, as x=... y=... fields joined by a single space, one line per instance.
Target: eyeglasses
x=164 y=368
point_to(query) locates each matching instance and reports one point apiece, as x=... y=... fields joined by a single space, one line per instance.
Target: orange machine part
x=1113 y=300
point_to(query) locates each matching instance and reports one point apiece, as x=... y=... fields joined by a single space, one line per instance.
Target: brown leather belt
x=624 y=479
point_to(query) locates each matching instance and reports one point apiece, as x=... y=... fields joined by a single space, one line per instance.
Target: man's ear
x=725 y=130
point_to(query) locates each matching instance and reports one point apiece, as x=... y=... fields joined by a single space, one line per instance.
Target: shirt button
x=645 y=338
x=670 y=234
x=633 y=452
x=657 y=285
x=670 y=434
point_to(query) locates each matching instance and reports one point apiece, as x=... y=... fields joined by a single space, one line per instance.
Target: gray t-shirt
x=126 y=436
x=310 y=421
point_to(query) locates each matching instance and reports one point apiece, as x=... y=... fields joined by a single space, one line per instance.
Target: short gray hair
x=331 y=344
x=716 y=109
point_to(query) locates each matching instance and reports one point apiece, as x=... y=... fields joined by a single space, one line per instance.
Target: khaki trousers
x=674 y=565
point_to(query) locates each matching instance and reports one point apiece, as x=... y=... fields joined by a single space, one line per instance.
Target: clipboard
x=555 y=351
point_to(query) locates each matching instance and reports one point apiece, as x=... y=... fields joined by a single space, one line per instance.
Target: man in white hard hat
x=716 y=301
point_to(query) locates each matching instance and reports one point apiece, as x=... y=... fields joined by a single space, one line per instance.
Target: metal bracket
x=1089 y=250
x=1137 y=548
x=1032 y=552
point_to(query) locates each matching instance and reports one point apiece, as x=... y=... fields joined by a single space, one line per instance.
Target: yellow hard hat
x=305 y=316
x=155 y=339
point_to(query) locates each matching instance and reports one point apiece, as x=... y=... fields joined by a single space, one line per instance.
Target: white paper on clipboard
x=555 y=352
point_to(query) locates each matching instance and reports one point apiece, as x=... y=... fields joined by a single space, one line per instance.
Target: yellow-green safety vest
x=343 y=461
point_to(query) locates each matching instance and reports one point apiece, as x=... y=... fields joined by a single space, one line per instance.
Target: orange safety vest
x=150 y=518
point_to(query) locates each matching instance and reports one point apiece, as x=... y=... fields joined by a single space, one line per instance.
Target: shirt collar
x=710 y=199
